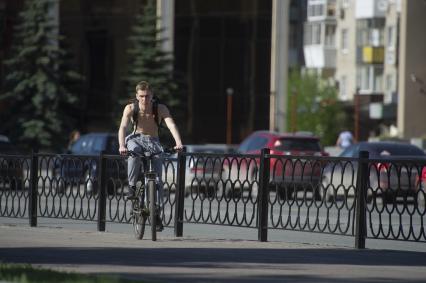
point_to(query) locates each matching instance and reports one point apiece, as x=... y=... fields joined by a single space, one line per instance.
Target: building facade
x=359 y=44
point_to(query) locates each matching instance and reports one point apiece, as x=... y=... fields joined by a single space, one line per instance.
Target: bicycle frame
x=139 y=208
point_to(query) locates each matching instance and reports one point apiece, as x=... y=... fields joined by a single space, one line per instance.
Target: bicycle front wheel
x=152 y=209
x=139 y=221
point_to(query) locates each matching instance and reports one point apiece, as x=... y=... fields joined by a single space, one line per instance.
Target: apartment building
x=320 y=37
x=355 y=42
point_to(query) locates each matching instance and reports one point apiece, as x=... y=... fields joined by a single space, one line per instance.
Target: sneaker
x=131 y=192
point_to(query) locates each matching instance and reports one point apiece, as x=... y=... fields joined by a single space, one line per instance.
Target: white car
x=203 y=168
x=389 y=175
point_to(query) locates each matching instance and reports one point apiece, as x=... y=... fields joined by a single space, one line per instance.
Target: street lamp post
x=229 y=93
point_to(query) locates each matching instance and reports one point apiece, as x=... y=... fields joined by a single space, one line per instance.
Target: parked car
x=388 y=176
x=202 y=171
x=83 y=170
x=11 y=168
x=288 y=175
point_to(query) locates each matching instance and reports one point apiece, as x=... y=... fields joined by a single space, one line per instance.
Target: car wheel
x=58 y=183
x=325 y=191
x=285 y=192
x=90 y=184
x=317 y=192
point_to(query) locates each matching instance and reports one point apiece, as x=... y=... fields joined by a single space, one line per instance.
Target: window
x=390 y=37
x=308 y=34
x=257 y=143
x=253 y=143
x=99 y=144
x=316 y=34
x=313 y=33
x=345 y=4
x=370 y=78
x=342 y=88
x=112 y=146
x=330 y=31
x=298 y=144
x=370 y=32
x=344 y=40
x=316 y=10
x=389 y=83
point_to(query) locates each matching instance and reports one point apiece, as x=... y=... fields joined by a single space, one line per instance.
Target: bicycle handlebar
x=170 y=150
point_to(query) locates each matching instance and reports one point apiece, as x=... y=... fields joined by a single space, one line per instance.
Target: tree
x=313 y=106
x=147 y=61
x=39 y=84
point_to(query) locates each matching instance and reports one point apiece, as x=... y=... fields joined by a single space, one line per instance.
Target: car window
x=98 y=144
x=299 y=144
x=7 y=147
x=77 y=147
x=257 y=143
x=396 y=150
x=244 y=145
x=86 y=145
x=112 y=146
x=352 y=151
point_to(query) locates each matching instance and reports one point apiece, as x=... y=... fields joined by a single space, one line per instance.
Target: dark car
x=389 y=175
x=284 y=172
x=80 y=168
x=11 y=167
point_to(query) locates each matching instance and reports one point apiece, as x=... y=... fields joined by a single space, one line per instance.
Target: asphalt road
x=203 y=259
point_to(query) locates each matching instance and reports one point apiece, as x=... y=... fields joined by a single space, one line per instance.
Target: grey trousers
x=141 y=143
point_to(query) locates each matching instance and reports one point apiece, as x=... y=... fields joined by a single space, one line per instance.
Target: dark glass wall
x=220 y=45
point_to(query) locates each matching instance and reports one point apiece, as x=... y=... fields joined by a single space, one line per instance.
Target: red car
x=287 y=175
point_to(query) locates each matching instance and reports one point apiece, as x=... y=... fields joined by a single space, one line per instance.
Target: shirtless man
x=145 y=135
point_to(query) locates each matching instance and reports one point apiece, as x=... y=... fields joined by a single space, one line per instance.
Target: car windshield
x=383 y=150
x=7 y=147
x=298 y=144
x=253 y=143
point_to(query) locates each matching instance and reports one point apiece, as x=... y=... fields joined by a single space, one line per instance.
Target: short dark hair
x=143 y=85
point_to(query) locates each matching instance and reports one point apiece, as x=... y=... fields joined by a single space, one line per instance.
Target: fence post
x=180 y=193
x=263 y=195
x=102 y=185
x=32 y=204
x=361 y=196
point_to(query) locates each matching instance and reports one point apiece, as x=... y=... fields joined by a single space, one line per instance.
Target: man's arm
x=170 y=123
x=127 y=113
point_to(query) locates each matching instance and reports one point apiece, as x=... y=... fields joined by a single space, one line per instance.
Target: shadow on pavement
x=195 y=257
x=281 y=264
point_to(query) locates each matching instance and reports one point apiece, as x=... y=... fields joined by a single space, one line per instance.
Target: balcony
x=368 y=9
x=371 y=55
x=320 y=56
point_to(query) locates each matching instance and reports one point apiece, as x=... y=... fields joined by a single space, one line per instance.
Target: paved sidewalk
x=204 y=259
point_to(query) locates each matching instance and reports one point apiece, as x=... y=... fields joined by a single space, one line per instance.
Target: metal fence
x=362 y=197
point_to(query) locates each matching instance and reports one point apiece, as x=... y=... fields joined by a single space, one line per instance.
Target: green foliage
x=39 y=85
x=24 y=273
x=313 y=106
x=147 y=61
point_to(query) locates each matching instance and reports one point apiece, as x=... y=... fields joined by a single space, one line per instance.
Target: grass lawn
x=27 y=274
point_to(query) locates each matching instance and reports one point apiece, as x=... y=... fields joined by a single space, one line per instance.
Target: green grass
x=25 y=273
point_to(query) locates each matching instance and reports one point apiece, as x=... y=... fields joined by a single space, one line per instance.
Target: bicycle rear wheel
x=139 y=221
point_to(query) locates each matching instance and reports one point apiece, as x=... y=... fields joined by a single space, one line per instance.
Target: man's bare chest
x=145 y=116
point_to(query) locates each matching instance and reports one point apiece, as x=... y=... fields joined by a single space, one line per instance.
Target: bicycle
x=140 y=210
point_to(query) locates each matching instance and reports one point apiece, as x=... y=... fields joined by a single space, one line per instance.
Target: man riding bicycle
x=145 y=135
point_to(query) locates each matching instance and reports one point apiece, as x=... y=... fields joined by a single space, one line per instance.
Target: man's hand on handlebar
x=178 y=147
x=123 y=150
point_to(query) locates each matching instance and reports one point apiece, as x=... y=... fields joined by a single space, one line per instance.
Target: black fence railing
x=358 y=197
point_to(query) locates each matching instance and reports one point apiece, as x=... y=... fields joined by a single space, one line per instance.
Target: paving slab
x=203 y=259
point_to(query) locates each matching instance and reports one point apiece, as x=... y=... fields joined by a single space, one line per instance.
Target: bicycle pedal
x=131 y=197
